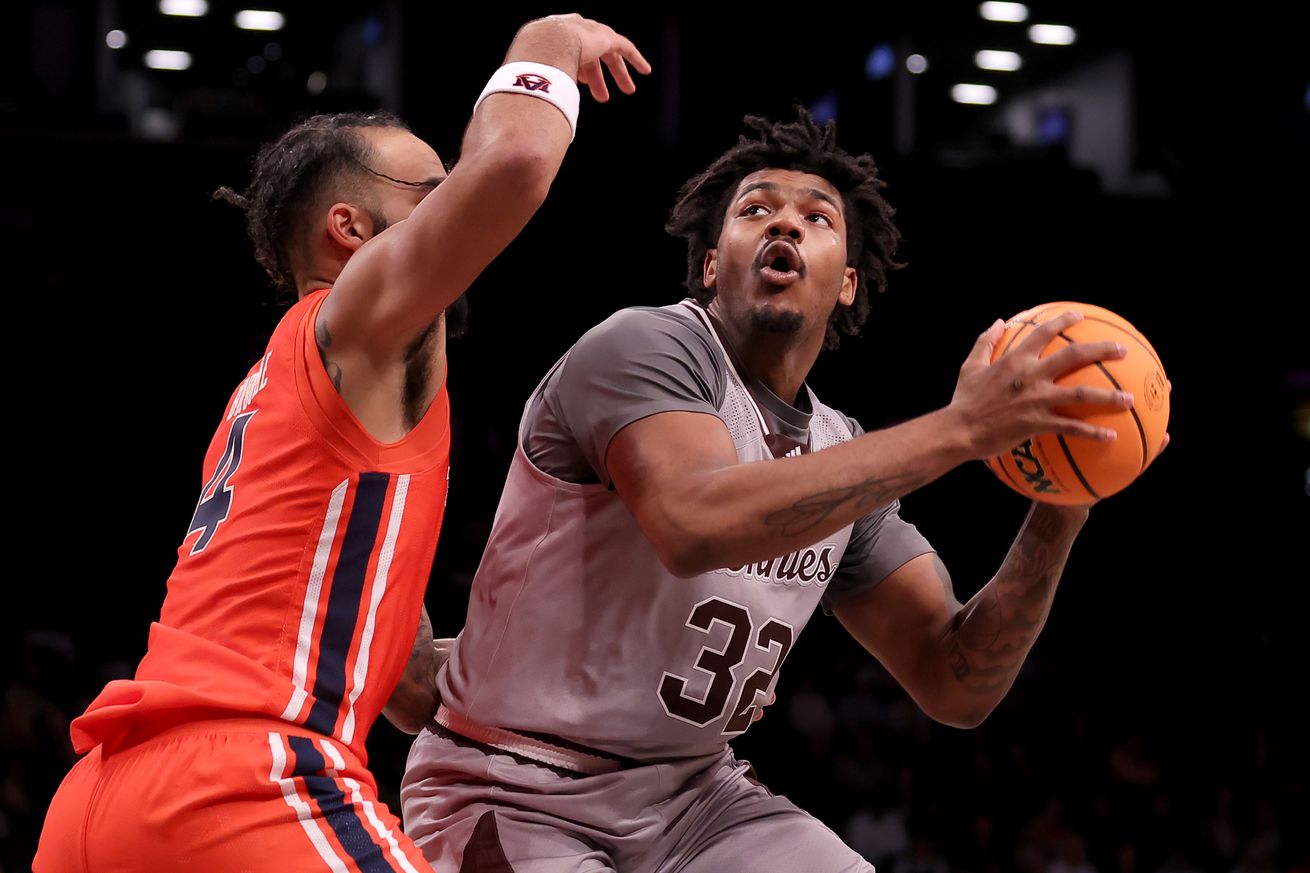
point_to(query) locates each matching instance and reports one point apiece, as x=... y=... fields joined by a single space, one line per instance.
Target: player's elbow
x=684 y=556
x=410 y=710
x=405 y=722
x=685 y=548
x=964 y=719
x=957 y=713
x=946 y=700
x=685 y=552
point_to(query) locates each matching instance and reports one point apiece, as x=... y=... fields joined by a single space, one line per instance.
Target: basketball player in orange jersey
x=679 y=504
x=297 y=599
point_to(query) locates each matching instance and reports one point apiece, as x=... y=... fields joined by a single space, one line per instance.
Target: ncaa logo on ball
x=1034 y=473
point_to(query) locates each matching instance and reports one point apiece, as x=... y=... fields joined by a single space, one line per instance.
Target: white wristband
x=538 y=80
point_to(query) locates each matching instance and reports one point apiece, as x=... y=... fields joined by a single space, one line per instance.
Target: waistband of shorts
x=555 y=752
x=148 y=734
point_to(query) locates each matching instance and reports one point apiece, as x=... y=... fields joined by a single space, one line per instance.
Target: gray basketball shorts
x=473 y=809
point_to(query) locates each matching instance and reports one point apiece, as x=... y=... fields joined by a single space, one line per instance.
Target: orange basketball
x=1071 y=470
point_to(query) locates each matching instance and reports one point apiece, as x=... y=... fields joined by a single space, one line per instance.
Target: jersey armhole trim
x=427 y=445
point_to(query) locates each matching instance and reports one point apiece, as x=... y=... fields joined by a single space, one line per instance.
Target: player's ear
x=849 y=283
x=710 y=269
x=348 y=226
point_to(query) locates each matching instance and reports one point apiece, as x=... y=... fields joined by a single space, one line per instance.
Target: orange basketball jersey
x=298 y=585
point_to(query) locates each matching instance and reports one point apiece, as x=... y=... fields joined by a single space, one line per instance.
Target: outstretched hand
x=602 y=47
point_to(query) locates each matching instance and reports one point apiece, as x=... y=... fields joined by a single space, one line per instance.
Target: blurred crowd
x=1058 y=780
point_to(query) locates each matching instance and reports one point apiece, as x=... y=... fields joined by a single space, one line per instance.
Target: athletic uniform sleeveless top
x=298 y=585
x=575 y=629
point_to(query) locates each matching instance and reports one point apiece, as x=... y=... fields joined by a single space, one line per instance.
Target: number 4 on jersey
x=216 y=497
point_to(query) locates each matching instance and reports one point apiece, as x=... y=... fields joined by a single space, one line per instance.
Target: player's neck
x=322 y=271
x=781 y=362
x=313 y=280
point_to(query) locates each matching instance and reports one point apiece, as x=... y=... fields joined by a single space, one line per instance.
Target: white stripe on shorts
x=393 y=847
x=298 y=803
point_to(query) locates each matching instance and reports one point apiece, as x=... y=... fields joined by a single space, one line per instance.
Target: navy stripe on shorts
x=339 y=812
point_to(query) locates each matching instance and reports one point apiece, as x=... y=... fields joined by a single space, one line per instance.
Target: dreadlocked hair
x=808 y=147
x=322 y=154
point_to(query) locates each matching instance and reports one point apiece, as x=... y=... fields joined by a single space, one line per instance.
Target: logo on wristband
x=532 y=82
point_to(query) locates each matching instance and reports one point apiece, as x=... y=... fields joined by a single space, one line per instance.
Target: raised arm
x=398 y=282
x=701 y=509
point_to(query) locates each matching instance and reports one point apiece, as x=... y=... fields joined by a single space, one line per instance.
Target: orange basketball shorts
x=229 y=795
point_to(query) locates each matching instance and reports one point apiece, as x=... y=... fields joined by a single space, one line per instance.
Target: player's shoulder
x=297 y=316
x=677 y=319
x=639 y=328
x=310 y=302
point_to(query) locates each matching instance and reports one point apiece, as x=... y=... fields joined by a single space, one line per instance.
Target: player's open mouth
x=780 y=263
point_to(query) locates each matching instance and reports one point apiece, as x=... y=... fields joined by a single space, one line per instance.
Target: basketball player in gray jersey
x=679 y=504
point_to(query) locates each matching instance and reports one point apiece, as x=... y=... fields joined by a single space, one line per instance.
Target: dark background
x=1169 y=185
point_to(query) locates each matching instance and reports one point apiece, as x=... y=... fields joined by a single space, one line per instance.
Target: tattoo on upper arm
x=811 y=511
x=323 y=337
x=959 y=663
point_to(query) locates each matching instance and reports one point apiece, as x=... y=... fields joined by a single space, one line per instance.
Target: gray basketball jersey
x=575 y=629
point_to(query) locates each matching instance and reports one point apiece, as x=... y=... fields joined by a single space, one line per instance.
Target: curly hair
x=322 y=155
x=808 y=147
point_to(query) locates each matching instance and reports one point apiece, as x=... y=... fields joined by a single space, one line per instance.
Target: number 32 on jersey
x=720 y=663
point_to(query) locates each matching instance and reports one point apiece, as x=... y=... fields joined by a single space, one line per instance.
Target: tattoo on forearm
x=422 y=666
x=415 y=693
x=990 y=637
x=980 y=625
x=811 y=511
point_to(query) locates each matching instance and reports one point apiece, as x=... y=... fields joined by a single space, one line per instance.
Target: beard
x=769 y=320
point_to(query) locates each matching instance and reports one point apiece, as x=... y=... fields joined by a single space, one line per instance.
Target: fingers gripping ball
x=1053 y=468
